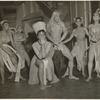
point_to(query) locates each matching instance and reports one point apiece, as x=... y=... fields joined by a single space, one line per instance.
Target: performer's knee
x=71 y=58
x=41 y=65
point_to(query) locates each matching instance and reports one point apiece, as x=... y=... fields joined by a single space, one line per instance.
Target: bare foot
x=43 y=87
x=73 y=77
x=79 y=68
x=98 y=75
x=84 y=74
x=88 y=79
x=66 y=74
x=11 y=76
x=22 y=78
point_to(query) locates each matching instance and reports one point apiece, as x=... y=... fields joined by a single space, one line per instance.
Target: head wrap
x=18 y=26
x=39 y=26
x=51 y=21
x=78 y=18
x=3 y=21
x=98 y=11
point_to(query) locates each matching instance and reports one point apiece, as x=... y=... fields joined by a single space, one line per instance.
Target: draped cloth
x=78 y=51
x=96 y=50
x=9 y=64
x=59 y=63
x=33 y=74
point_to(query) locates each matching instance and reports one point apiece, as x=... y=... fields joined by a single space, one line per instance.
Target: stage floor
x=65 y=89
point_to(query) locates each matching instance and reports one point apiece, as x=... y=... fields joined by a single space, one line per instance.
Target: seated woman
x=8 y=54
x=42 y=64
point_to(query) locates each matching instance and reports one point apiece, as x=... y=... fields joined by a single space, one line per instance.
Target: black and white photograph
x=49 y=49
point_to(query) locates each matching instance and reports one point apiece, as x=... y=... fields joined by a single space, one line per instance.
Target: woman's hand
x=60 y=48
x=94 y=39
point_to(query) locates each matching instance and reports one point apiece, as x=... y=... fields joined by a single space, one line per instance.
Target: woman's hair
x=98 y=12
x=51 y=21
x=74 y=24
x=78 y=18
x=18 y=27
x=41 y=31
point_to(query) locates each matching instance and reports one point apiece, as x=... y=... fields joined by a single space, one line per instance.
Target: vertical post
x=24 y=10
x=71 y=14
x=76 y=8
x=71 y=20
x=31 y=7
x=86 y=21
x=90 y=12
x=85 y=14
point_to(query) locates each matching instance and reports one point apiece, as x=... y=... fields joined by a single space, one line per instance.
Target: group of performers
x=51 y=38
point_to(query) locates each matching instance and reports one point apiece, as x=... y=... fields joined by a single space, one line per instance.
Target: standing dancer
x=8 y=54
x=79 y=49
x=94 y=49
x=19 y=38
x=55 y=28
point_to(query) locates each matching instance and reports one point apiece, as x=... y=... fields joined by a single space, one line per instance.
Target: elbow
x=44 y=56
x=40 y=57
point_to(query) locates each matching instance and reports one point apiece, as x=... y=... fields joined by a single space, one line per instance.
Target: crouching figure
x=42 y=67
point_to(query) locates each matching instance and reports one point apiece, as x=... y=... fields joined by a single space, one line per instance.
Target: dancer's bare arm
x=86 y=31
x=72 y=35
x=90 y=33
x=65 y=32
x=12 y=38
x=41 y=54
x=37 y=52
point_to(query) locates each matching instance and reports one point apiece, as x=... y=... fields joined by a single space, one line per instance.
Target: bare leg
x=98 y=75
x=14 y=61
x=2 y=75
x=49 y=75
x=67 y=54
x=66 y=73
x=40 y=65
x=21 y=77
x=90 y=62
x=27 y=58
x=80 y=61
x=2 y=70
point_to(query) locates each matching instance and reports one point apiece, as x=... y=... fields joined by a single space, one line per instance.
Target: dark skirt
x=60 y=63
